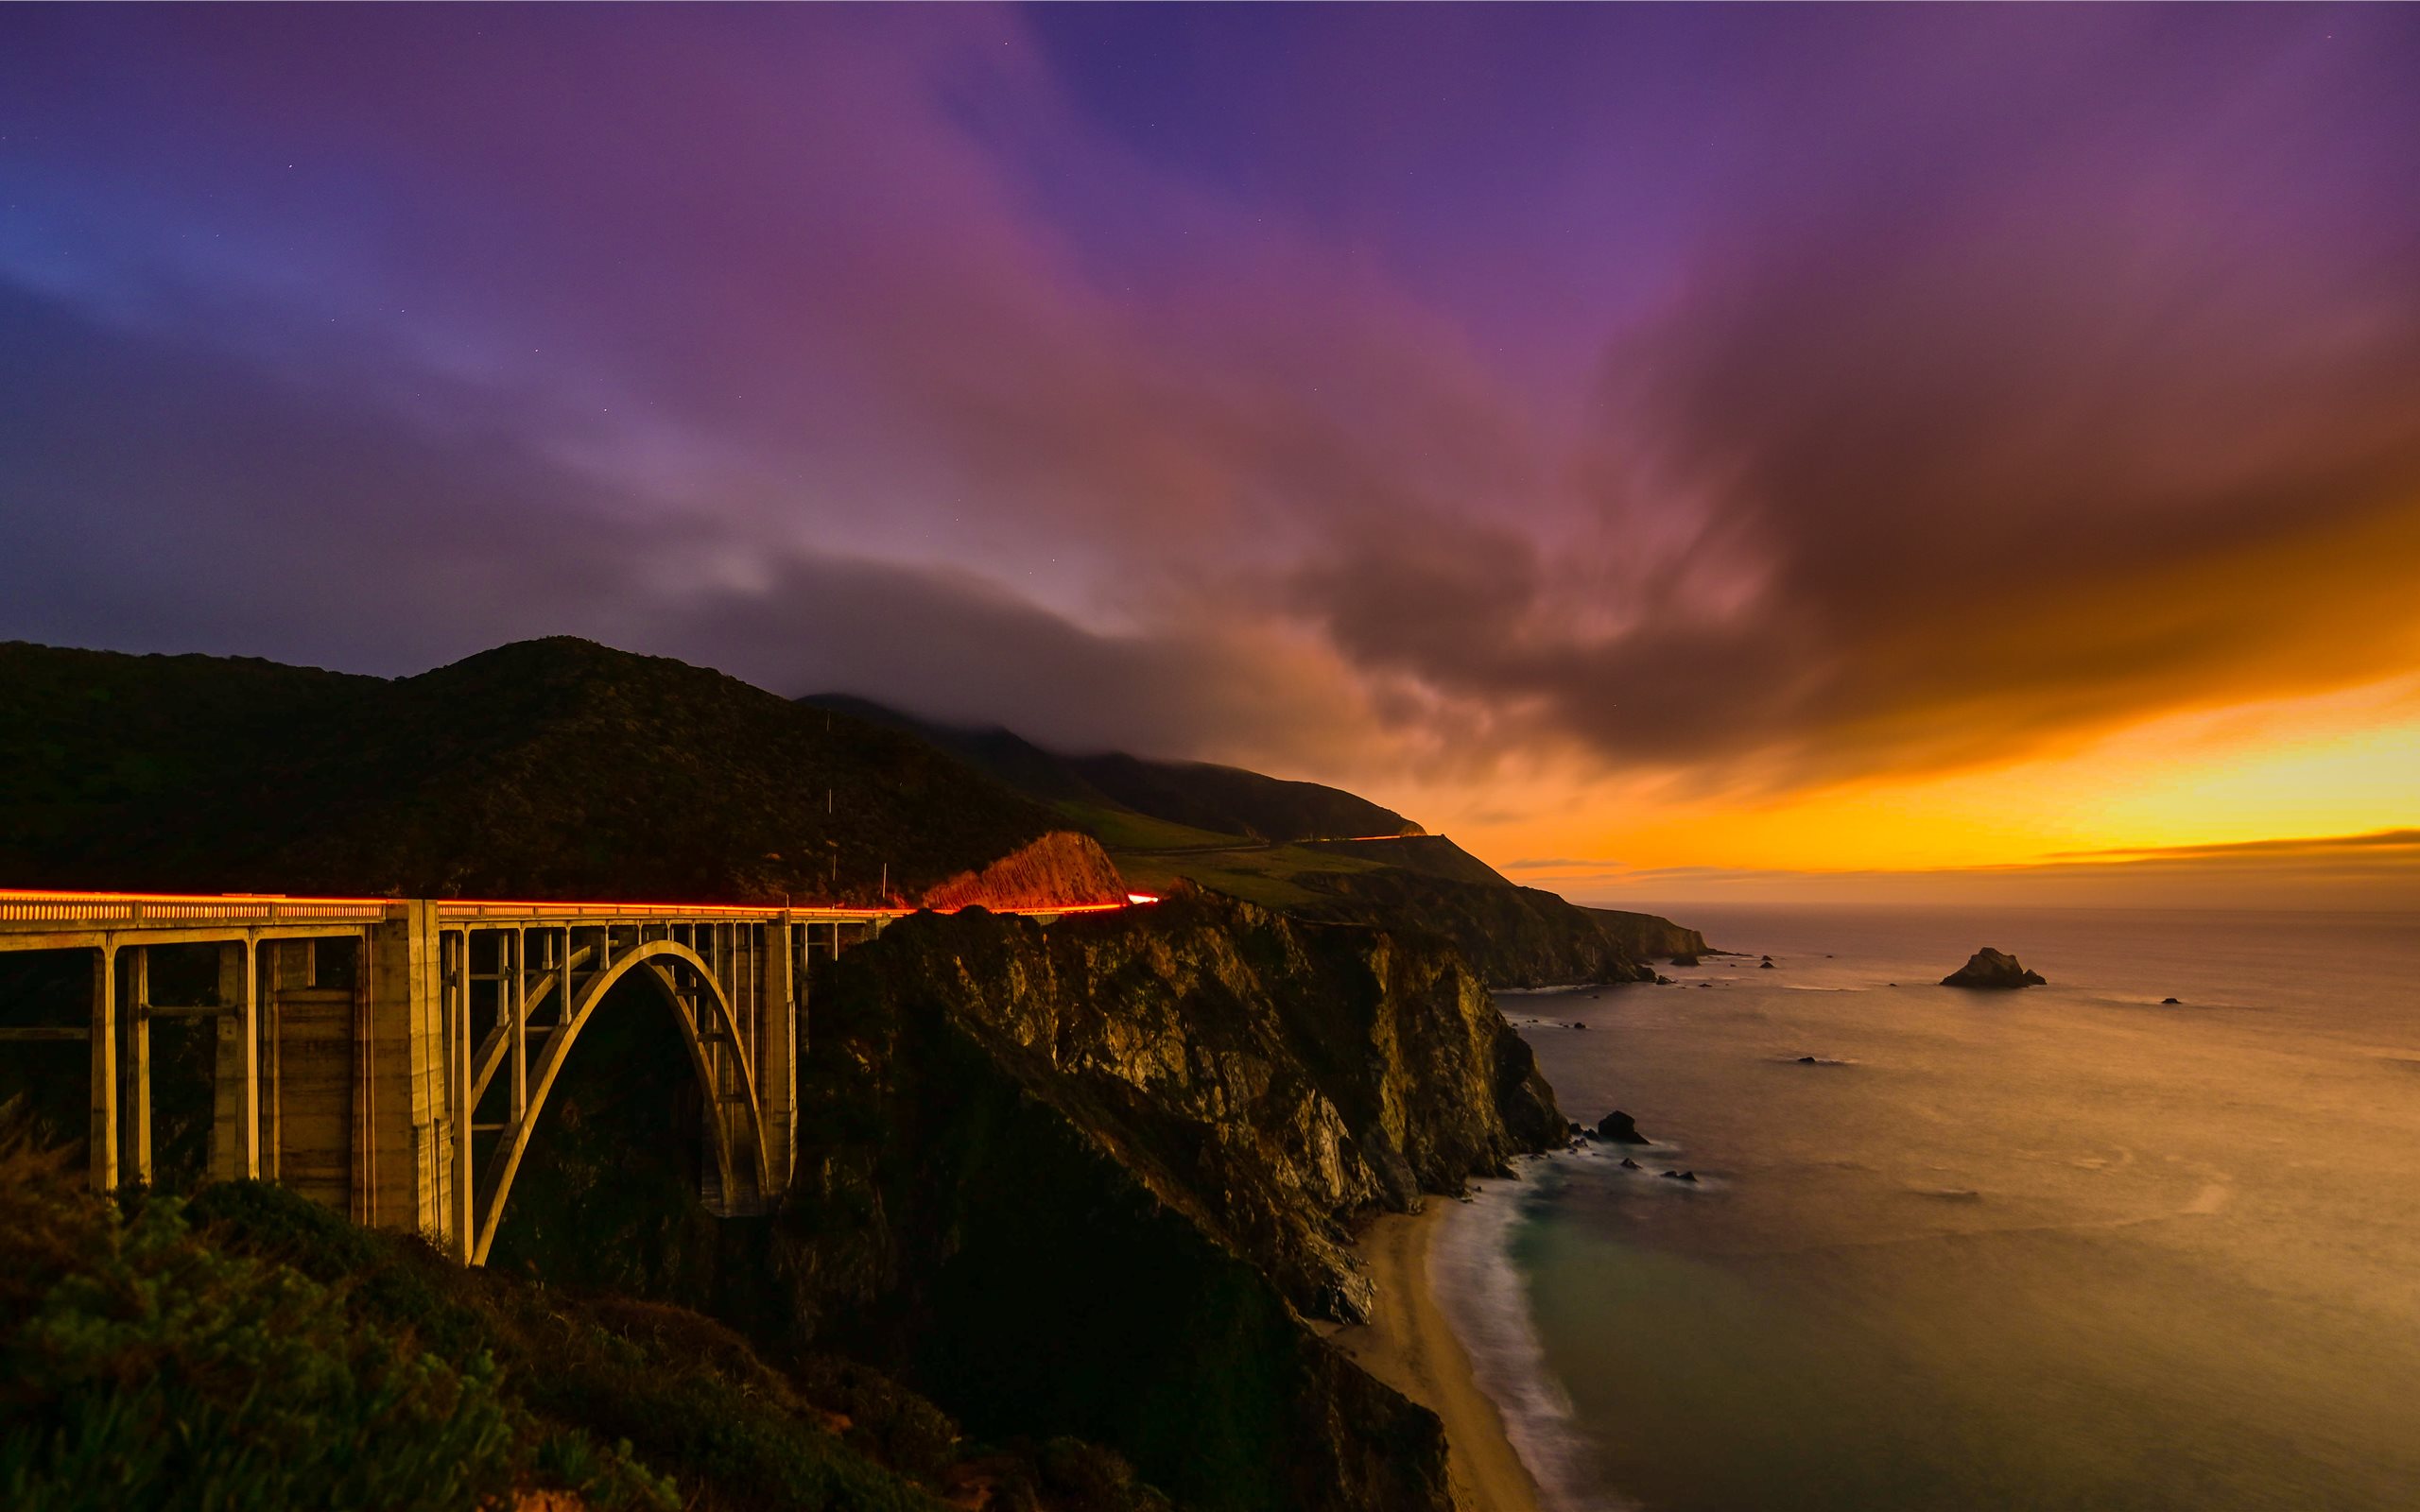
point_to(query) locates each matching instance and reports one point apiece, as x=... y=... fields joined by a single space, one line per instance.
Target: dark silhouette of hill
x=1224 y=801
x=1235 y=802
x=547 y=768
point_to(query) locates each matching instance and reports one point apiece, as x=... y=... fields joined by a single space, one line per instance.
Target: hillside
x=547 y=768
x=1314 y=852
x=249 y=1349
x=1075 y=1189
x=1219 y=801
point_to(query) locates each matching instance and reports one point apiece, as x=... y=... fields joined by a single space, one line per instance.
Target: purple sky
x=1778 y=394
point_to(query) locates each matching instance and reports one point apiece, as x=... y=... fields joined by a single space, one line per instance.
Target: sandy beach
x=1410 y=1346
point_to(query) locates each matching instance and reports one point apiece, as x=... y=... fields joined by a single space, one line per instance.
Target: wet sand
x=1410 y=1345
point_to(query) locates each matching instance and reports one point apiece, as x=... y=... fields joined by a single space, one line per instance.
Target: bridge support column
x=779 y=1044
x=408 y=1160
x=104 y=1046
x=236 y=1079
x=138 y=1067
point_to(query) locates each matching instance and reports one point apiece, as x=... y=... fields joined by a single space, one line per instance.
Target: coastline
x=1408 y=1345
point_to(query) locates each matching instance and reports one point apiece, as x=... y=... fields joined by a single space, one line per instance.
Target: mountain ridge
x=545 y=768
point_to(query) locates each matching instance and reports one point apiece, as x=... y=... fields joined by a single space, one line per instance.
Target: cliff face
x=1647 y=934
x=1085 y=1181
x=1513 y=937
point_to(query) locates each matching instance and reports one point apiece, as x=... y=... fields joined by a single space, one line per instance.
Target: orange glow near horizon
x=2318 y=768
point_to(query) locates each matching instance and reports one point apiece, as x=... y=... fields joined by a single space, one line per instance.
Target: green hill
x=546 y=768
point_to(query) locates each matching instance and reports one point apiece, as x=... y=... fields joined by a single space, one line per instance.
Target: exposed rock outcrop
x=1989 y=967
x=1644 y=935
x=1620 y=1128
x=1087 y=1179
x=1513 y=937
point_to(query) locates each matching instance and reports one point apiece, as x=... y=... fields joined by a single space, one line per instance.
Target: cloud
x=2399 y=846
x=1964 y=385
x=1997 y=429
x=2375 y=871
x=165 y=497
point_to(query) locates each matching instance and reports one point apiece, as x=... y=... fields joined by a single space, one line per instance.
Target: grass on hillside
x=1125 y=829
x=1259 y=874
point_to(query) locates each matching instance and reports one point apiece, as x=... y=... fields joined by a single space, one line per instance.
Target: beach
x=1408 y=1345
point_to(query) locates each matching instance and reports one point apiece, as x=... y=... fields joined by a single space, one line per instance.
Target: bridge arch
x=663 y=964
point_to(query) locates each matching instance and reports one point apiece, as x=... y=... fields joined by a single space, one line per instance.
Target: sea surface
x=2062 y=1249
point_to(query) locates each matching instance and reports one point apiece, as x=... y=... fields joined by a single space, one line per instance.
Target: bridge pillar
x=137 y=1151
x=315 y=1083
x=780 y=1040
x=104 y=1047
x=235 y=1081
x=406 y=1168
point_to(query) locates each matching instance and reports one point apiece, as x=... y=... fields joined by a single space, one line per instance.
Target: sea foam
x=1480 y=1290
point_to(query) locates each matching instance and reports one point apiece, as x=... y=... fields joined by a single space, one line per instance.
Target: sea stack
x=1618 y=1128
x=1993 y=969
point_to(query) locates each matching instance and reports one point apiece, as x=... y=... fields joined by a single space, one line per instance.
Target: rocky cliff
x=1513 y=937
x=1091 y=1179
x=1648 y=935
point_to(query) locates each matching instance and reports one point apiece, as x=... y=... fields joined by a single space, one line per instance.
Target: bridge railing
x=133 y=909
x=18 y=905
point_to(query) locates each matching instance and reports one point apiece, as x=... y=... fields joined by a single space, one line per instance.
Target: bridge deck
x=37 y=920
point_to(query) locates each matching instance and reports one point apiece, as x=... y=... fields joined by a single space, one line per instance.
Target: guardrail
x=131 y=908
x=26 y=907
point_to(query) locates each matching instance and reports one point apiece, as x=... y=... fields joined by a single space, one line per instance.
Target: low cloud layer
x=1908 y=391
x=2375 y=872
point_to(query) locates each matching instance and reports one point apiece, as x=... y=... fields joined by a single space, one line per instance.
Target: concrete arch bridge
x=394 y=1058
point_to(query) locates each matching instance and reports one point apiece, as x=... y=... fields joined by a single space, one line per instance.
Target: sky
x=1736 y=451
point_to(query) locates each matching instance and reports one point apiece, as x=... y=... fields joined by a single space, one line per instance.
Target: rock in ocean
x=1619 y=1128
x=1993 y=969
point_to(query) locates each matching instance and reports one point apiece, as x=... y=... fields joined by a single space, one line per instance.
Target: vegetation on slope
x=249 y=1349
x=1235 y=802
x=553 y=768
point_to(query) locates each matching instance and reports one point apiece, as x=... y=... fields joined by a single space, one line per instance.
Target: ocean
x=2069 y=1247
